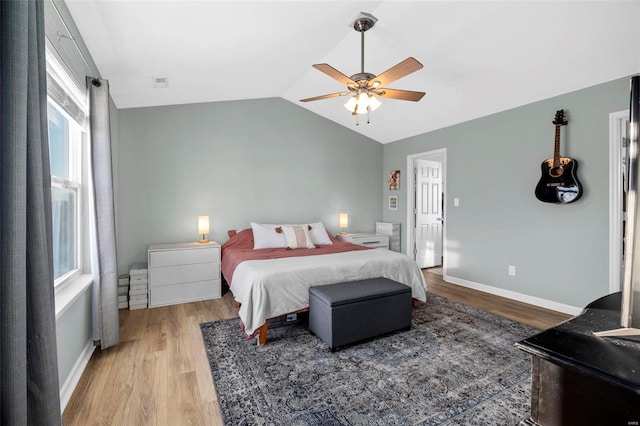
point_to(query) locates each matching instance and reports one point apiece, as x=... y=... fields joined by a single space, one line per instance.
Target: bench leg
x=415 y=303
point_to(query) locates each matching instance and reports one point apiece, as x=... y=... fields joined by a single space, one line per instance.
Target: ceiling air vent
x=160 y=82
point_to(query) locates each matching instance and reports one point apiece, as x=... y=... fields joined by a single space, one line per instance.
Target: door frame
x=615 y=199
x=410 y=234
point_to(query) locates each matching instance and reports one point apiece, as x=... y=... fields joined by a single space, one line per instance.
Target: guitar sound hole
x=556 y=171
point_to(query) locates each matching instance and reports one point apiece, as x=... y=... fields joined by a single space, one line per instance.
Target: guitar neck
x=556 y=148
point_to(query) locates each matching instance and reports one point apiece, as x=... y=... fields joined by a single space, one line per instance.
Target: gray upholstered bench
x=345 y=313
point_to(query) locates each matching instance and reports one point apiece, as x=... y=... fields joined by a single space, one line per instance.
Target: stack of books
x=123 y=290
x=138 y=289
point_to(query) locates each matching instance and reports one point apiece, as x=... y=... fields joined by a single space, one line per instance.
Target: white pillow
x=319 y=234
x=297 y=236
x=265 y=236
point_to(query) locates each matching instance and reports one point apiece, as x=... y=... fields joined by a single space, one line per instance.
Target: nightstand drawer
x=377 y=241
x=167 y=275
x=181 y=257
x=367 y=240
x=184 y=292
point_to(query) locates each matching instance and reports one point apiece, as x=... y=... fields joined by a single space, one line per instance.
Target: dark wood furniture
x=580 y=379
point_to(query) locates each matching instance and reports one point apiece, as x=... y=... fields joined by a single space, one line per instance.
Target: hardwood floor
x=534 y=316
x=159 y=373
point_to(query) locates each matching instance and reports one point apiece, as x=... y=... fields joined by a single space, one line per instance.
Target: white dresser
x=183 y=272
x=367 y=240
x=393 y=231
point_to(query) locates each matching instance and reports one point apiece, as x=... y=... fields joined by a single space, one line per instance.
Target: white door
x=428 y=211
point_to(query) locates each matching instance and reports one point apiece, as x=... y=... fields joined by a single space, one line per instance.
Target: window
x=67 y=135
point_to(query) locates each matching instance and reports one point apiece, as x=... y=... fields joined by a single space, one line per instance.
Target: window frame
x=78 y=179
x=75 y=185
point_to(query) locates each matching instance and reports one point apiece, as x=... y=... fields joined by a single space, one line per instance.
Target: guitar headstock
x=560 y=119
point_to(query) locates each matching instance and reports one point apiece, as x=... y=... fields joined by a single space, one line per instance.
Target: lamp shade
x=203 y=225
x=364 y=102
x=344 y=220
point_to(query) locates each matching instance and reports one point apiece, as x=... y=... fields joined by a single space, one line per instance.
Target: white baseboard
x=531 y=300
x=74 y=376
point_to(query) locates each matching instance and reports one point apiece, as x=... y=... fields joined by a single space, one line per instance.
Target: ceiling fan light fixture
x=362 y=103
x=364 y=87
x=374 y=103
x=351 y=104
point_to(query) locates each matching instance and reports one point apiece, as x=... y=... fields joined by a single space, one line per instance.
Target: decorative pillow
x=297 y=236
x=319 y=235
x=265 y=236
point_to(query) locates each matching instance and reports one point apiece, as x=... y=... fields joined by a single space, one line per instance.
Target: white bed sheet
x=273 y=287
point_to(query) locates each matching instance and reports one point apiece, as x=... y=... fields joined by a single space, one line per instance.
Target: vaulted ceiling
x=479 y=57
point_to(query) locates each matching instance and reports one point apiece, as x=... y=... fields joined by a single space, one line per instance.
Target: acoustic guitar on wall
x=559 y=182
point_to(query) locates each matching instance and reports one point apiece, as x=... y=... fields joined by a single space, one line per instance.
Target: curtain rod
x=69 y=36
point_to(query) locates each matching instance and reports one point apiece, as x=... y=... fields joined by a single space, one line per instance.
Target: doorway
x=618 y=159
x=425 y=234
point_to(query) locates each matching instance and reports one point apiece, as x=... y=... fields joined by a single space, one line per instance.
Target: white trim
x=615 y=202
x=69 y=293
x=57 y=71
x=76 y=373
x=525 y=298
x=410 y=189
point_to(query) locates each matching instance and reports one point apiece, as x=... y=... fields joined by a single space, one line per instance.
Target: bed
x=273 y=281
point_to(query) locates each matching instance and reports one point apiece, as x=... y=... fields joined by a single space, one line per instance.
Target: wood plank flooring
x=159 y=373
x=534 y=316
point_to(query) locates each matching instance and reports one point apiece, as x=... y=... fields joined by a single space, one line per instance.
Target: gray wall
x=264 y=160
x=73 y=332
x=493 y=166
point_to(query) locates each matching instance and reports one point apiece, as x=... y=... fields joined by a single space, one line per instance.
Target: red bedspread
x=240 y=248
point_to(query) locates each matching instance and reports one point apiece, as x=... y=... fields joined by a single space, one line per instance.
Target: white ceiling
x=479 y=57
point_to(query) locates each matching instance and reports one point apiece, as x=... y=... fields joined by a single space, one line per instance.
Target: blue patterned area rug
x=456 y=366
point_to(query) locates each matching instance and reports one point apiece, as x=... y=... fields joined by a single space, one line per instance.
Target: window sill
x=70 y=292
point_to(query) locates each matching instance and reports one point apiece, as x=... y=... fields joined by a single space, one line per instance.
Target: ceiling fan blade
x=403 y=95
x=405 y=67
x=334 y=73
x=331 y=95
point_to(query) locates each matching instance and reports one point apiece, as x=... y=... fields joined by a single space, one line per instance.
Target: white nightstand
x=183 y=272
x=367 y=240
x=393 y=231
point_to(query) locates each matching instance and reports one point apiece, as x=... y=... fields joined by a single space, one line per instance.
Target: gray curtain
x=106 y=328
x=28 y=357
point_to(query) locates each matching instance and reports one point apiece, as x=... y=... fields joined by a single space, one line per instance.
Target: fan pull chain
x=368 y=117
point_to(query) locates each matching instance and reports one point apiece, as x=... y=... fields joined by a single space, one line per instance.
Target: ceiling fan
x=365 y=87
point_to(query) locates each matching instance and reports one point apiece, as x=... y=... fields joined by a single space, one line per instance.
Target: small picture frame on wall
x=394 y=179
x=393 y=202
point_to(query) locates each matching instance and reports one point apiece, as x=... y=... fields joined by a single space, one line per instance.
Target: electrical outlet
x=512 y=270
x=456 y=202
x=292 y=317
